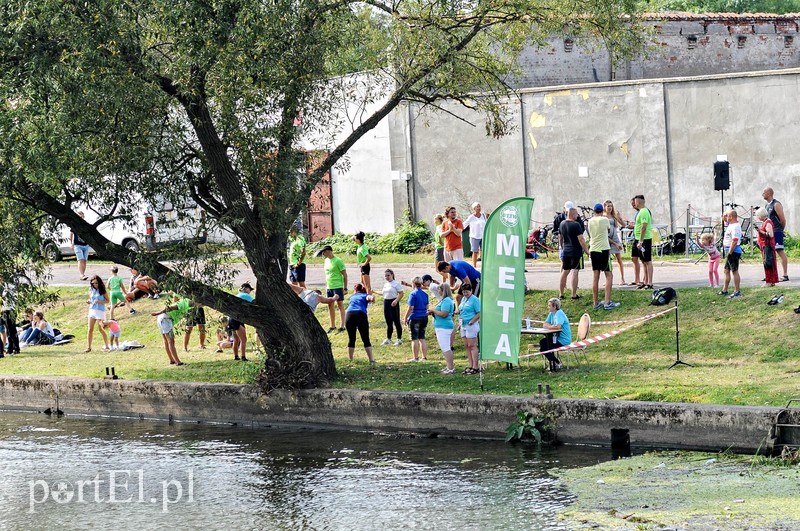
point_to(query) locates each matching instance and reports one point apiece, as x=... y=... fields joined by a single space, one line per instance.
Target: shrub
x=410 y=237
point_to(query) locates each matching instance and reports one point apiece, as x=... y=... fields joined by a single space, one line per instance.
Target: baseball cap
x=246 y=285
x=326 y=248
x=427 y=278
x=598 y=207
x=568 y=205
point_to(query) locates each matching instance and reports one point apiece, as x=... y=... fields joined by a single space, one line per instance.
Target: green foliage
x=409 y=238
x=525 y=427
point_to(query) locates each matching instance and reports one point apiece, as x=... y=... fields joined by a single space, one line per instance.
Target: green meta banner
x=503 y=280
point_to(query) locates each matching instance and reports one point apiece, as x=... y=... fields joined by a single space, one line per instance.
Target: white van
x=153 y=227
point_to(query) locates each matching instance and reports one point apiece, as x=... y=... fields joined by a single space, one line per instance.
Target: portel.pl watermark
x=114 y=486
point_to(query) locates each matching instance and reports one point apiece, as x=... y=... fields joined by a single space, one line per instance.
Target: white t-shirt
x=311 y=298
x=476 y=226
x=734 y=230
x=435 y=290
x=392 y=289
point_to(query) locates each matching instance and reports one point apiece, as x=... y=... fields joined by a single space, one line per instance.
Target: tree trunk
x=299 y=354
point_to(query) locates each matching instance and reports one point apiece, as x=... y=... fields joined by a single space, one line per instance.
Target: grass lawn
x=743 y=352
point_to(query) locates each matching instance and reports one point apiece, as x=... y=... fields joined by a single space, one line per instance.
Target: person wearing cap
x=238 y=328
x=570 y=236
x=476 y=223
x=452 y=227
x=461 y=270
x=336 y=282
x=297 y=255
x=600 y=243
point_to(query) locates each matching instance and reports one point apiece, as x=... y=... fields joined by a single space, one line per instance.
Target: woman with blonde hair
x=443 y=325
x=616 y=223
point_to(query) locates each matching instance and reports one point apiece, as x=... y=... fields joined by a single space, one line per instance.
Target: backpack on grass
x=663 y=296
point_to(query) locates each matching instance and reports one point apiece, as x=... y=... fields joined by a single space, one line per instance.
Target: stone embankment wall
x=671 y=425
x=681 y=45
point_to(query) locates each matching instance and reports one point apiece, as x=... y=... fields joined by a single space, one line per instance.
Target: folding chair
x=584 y=325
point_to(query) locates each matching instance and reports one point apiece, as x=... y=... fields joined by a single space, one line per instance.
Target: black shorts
x=297 y=273
x=732 y=261
x=417 y=327
x=440 y=255
x=572 y=262
x=365 y=269
x=600 y=260
x=234 y=325
x=647 y=254
x=196 y=317
x=336 y=291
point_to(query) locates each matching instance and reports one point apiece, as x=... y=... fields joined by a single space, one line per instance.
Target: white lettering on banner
x=506 y=306
x=508 y=245
x=506 y=277
x=503 y=346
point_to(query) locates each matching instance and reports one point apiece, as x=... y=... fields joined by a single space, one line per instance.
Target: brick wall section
x=684 y=44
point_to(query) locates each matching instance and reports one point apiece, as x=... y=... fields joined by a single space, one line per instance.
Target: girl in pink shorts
x=706 y=243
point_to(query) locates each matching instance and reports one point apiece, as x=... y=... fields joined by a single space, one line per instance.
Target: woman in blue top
x=443 y=325
x=470 y=311
x=417 y=320
x=557 y=322
x=98 y=298
x=356 y=319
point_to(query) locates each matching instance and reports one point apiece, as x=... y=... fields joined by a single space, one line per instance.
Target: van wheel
x=51 y=252
x=132 y=245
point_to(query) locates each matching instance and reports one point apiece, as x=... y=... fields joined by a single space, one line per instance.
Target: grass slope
x=743 y=352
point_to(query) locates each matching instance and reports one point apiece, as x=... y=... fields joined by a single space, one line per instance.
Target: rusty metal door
x=319 y=212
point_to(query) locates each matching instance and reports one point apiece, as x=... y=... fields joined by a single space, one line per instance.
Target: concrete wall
x=686 y=426
x=659 y=138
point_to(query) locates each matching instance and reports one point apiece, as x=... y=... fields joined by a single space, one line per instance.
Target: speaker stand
x=677 y=341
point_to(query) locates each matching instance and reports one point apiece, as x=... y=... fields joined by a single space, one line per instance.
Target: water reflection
x=130 y=474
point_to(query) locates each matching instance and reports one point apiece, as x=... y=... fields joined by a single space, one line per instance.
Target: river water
x=90 y=473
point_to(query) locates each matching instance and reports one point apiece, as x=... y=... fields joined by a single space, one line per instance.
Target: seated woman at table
x=557 y=322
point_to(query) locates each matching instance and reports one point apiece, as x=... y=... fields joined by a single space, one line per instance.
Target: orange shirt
x=452 y=241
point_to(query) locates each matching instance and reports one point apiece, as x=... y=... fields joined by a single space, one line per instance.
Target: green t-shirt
x=296 y=247
x=115 y=284
x=643 y=217
x=361 y=253
x=437 y=239
x=333 y=272
x=598 y=234
x=183 y=308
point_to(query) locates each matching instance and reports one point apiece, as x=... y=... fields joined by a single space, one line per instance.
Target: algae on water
x=684 y=490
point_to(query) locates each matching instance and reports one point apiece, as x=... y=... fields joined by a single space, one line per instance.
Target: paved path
x=540 y=275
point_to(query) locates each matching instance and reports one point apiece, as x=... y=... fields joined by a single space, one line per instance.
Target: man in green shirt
x=336 y=281
x=297 y=253
x=643 y=241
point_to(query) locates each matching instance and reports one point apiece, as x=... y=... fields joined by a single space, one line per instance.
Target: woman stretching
x=356 y=320
x=392 y=295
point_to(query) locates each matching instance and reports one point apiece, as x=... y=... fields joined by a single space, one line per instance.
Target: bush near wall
x=410 y=237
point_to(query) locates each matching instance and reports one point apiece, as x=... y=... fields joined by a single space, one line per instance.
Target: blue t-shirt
x=98 y=302
x=358 y=302
x=461 y=270
x=469 y=308
x=418 y=300
x=245 y=296
x=445 y=305
x=565 y=335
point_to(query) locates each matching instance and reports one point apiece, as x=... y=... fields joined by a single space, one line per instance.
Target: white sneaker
x=398 y=342
x=386 y=342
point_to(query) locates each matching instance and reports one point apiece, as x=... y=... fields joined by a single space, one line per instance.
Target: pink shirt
x=113 y=326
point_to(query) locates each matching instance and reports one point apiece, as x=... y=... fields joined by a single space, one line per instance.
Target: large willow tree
x=110 y=102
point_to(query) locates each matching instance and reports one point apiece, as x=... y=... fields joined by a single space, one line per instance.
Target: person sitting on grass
x=171 y=314
x=40 y=333
x=224 y=335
